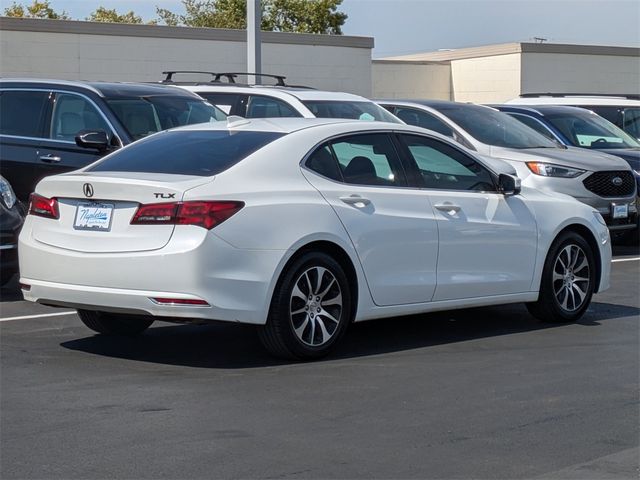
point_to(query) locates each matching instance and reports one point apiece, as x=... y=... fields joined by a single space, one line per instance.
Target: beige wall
x=486 y=79
x=411 y=80
x=546 y=72
x=85 y=56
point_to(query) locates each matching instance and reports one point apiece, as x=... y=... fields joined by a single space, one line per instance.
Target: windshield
x=142 y=116
x=494 y=128
x=591 y=131
x=368 y=111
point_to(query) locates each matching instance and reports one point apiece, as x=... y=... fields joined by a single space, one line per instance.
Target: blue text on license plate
x=93 y=216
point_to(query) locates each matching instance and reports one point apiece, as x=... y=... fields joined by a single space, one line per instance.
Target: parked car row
x=298 y=225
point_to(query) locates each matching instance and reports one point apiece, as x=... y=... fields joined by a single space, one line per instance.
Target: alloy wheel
x=571 y=277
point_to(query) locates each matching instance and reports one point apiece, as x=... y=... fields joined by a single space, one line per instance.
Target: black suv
x=54 y=126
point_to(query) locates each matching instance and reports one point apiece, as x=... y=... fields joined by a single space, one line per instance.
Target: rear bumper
x=195 y=264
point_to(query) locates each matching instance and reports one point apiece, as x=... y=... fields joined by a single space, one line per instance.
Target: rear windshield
x=184 y=152
x=368 y=111
x=142 y=116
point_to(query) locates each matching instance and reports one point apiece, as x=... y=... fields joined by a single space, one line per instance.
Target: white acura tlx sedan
x=302 y=226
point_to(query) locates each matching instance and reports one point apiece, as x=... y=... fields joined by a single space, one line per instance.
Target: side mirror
x=509 y=184
x=96 y=139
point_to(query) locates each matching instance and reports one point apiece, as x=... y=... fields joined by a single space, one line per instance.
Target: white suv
x=279 y=100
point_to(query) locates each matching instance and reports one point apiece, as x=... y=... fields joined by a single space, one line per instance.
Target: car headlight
x=551 y=170
x=8 y=197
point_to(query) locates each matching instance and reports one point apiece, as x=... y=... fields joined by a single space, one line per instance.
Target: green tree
x=38 y=9
x=103 y=14
x=301 y=16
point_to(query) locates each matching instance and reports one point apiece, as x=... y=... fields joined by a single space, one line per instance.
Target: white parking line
x=42 y=315
x=633 y=259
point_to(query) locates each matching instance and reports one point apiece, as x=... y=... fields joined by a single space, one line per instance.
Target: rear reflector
x=181 y=301
x=43 y=206
x=25 y=287
x=201 y=214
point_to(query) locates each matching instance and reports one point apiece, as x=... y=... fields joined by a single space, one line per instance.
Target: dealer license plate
x=619 y=211
x=93 y=216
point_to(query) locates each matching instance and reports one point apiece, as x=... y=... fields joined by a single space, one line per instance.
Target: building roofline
x=188 y=33
x=511 y=48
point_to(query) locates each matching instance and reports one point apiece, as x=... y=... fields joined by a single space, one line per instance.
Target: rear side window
x=533 y=123
x=22 y=113
x=224 y=101
x=266 y=107
x=203 y=153
x=73 y=114
x=412 y=116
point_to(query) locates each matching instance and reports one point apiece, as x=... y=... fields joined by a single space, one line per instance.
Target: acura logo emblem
x=87 y=188
x=617 y=181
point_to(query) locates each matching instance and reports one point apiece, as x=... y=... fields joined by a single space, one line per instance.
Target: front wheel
x=113 y=323
x=310 y=309
x=568 y=280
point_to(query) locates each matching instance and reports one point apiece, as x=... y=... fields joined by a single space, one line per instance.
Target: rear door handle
x=356 y=200
x=447 y=207
x=50 y=158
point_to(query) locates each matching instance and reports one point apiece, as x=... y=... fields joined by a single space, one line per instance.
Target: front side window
x=367 y=111
x=73 y=114
x=192 y=152
x=494 y=128
x=22 y=112
x=369 y=159
x=267 y=107
x=224 y=101
x=142 y=116
x=591 y=131
x=443 y=167
x=631 y=121
x=533 y=123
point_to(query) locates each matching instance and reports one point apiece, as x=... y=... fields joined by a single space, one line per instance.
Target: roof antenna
x=540 y=39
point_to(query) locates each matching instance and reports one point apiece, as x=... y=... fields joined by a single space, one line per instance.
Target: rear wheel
x=310 y=309
x=568 y=280
x=113 y=323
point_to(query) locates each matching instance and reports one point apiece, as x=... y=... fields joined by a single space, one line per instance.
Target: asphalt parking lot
x=483 y=393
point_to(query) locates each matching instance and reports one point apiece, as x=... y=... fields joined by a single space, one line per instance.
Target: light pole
x=254 y=45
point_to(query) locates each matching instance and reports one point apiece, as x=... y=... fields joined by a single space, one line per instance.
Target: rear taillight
x=201 y=214
x=43 y=206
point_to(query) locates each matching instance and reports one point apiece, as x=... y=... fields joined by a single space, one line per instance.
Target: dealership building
x=495 y=73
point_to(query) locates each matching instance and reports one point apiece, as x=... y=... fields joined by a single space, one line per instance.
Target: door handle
x=50 y=158
x=356 y=200
x=447 y=207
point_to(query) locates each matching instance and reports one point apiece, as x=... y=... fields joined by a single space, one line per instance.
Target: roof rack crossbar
x=279 y=78
x=216 y=76
x=629 y=96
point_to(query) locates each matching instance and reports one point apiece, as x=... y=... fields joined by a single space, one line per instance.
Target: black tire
x=279 y=335
x=113 y=323
x=549 y=307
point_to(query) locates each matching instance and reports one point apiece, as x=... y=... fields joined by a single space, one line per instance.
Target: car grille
x=602 y=183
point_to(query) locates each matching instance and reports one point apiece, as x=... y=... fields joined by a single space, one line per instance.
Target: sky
x=409 y=26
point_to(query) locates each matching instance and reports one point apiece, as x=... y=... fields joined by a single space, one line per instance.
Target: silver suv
x=603 y=181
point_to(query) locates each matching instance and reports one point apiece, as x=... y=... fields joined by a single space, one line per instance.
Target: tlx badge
x=165 y=195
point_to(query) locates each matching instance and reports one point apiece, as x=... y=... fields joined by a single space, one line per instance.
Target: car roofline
x=51 y=81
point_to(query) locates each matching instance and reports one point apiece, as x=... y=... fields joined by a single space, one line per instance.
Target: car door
x=23 y=114
x=487 y=241
x=71 y=114
x=391 y=226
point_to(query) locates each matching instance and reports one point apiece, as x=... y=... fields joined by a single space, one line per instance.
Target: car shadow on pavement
x=230 y=346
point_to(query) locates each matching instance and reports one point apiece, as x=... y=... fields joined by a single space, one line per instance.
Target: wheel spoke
x=566 y=297
x=300 y=310
x=313 y=331
x=323 y=330
x=337 y=300
x=557 y=276
x=306 y=276
x=298 y=293
x=581 y=294
x=583 y=264
x=319 y=276
x=301 y=328
x=326 y=290
x=324 y=313
x=573 y=298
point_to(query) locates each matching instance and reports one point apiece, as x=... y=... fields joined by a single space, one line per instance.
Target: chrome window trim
x=56 y=91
